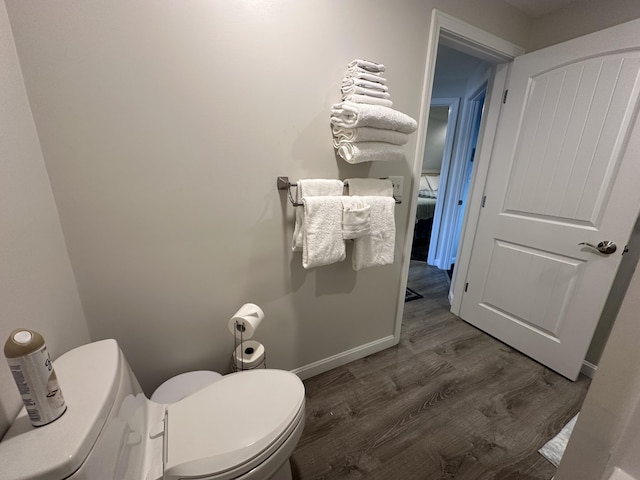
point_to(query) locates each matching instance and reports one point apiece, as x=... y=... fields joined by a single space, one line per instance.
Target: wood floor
x=448 y=402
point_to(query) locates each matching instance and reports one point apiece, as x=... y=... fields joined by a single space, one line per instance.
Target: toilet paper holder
x=247 y=354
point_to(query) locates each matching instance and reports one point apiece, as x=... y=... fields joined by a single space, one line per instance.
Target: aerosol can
x=33 y=373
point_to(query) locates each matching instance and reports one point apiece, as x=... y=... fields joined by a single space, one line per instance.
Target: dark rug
x=411 y=295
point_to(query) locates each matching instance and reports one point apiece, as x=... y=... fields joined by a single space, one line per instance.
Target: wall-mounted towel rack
x=283 y=183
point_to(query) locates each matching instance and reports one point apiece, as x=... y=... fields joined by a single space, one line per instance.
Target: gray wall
x=163 y=128
x=37 y=288
x=579 y=18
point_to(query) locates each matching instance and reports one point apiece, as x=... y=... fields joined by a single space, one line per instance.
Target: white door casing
x=565 y=169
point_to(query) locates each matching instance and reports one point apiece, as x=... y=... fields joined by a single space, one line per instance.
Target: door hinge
x=504 y=97
x=484 y=199
x=466 y=286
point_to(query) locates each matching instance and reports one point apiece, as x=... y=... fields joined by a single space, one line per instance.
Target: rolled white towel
x=357 y=98
x=353 y=115
x=367 y=65
x=367 y=134
x=364 y=75
x=360 y=82
x=350 y=89
x=370 y=152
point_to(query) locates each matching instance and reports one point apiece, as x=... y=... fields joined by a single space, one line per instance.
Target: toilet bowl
x=243 y=426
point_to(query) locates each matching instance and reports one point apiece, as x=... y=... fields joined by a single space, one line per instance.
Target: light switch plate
x=398 y=186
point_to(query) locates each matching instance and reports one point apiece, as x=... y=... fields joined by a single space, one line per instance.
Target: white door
x=565 y=169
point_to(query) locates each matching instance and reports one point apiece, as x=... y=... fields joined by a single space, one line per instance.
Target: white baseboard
x=326 y=364
x=588 y=369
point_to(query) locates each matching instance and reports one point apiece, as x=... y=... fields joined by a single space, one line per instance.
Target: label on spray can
x=35 y=378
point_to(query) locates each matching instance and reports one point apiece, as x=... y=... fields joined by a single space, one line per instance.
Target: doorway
x=480 y=46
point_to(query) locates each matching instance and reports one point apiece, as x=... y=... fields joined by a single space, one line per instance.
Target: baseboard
x=326 y=364
x=588 y=369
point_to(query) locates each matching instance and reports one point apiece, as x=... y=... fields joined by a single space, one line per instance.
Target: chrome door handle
x=607 y=247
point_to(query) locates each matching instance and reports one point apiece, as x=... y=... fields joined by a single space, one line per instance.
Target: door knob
x=607 y=246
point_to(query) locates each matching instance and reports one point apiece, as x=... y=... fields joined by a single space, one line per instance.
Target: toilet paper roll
x=248 y=317
x=249 y=354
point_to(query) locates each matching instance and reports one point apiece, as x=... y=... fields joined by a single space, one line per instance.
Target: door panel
x=562 y=173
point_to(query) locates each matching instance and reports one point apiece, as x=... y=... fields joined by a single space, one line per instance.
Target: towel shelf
x=283 y=183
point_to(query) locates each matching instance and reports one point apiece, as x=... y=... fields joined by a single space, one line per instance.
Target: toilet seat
x=255 y=413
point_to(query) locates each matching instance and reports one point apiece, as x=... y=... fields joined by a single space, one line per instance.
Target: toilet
x=183 y=385
x=242 y=426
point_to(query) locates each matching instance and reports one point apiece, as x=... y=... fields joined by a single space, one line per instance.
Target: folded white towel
x=357 y=98
x=378 y=247
x=322 y=237
x=367 y=65
x=354 y=89
x=367 y=134
x=307 y=188
x=370 y=152
x=360 y=82
x=381 y=187
x=358 y=72
x=353 y=115
x=356 y=218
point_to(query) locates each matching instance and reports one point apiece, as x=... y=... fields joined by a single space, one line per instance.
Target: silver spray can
x=33 y=373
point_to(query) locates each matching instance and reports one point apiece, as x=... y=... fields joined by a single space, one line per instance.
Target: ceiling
x=538 y=8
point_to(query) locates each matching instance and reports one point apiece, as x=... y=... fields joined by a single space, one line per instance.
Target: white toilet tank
x=103 y=426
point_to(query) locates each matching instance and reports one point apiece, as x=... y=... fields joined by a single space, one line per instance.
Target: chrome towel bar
x=283 y=183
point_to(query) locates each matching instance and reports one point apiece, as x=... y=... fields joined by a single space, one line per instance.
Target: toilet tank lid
x=230 y=422
x=88 y=377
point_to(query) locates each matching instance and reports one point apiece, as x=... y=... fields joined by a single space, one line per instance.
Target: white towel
x=312 y=187
x=356 y=218
x=353 y=115
x=360 y=82
x=367 y=134
x=365 y=75
x=322 y=237
x=370 y=152
x=357 y=98
x=371 y=92
x=381 y=187
x=378 y=247
x=367 y=65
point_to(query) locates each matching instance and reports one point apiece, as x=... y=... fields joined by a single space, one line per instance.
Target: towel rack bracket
x=283 y=183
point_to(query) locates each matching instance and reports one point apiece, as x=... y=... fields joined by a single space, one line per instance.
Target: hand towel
x=357 y=98
x=364 y=75
x=353 y=115
x=371 y=92
x=312 y=187
x=381 y=187
x=360 y=82
x=322 y=236
x=367 y=65
x=378 y=247
x=368 y=134
x=370 y=152
x=356 y=218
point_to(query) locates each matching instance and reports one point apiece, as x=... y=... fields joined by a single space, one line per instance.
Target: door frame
x=469 y=39
x=452 y=126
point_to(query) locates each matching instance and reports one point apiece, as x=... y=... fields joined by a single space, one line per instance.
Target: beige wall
x=164 y=126
x=37 y=288
x=580 y=18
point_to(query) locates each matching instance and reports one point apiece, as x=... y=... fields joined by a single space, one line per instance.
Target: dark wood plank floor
x=448 y=402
